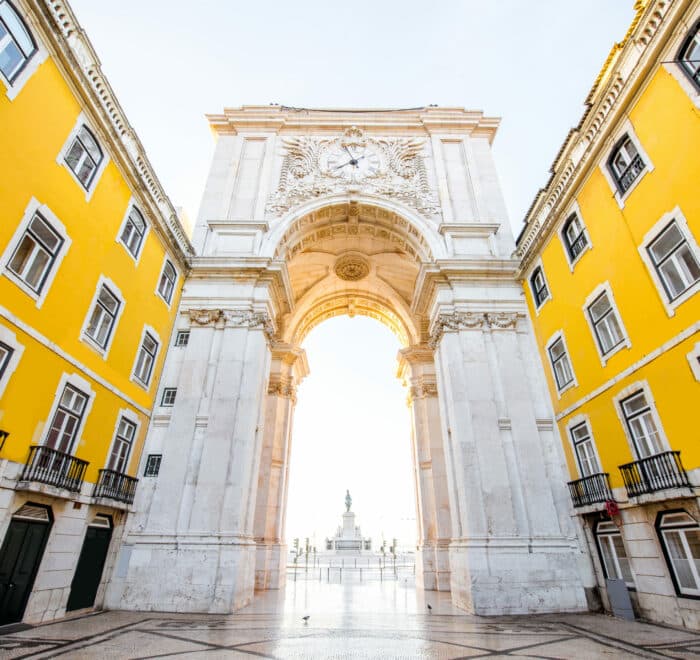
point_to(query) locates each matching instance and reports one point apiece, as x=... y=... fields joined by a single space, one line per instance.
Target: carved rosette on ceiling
x=457 y=321
x=351 y=267
x=310 y=169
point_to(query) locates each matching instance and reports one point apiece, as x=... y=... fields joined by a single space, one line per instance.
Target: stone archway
x=418 y=242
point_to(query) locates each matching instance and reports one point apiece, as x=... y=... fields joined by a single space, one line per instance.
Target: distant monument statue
x=348 y=539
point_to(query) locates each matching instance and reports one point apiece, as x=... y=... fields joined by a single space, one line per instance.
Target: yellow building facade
x=611 y=271
x=92 y=261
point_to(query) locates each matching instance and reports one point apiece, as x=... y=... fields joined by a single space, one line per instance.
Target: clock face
x=352 y=162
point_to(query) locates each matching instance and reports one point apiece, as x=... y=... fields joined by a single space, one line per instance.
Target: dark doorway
x=88 y=573
x=20 y=557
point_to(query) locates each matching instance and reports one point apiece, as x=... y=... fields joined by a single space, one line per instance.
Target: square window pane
x=665 y=244
x=11 y=59
x=38 y=267
x=600 y=307
x=45 y=234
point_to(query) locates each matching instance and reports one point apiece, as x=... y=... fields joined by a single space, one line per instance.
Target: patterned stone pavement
x=375 y=620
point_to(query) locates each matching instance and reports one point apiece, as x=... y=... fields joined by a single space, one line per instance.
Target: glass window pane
x=85 y=171
x=108 y=300
x=556 y=350
x=664 y=244
x=634 y=404
x=608 y=561
x=44 y=233
x=600 y=307
x=74 y=155
x=149 y=343
x=672 y=278
x=90 y=144
x=17 y=28
x=680 y=560
x=689 y=264
x=38 y=267
x=11 y=59
x=138 y=220
x=21 y=257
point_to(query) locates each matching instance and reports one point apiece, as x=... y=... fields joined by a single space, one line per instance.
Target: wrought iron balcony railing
x=115 y=486
x=590 y=490
x=632 y=171
x=657 y=472
x=49 y=466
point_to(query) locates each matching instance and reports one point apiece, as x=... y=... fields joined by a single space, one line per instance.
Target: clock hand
x=343 y=165
x=349 y=154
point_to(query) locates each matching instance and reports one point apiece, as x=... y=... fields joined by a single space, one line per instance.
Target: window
x=104 y=313
x=539 y=286
x=689 y=55
x=166 y=285
x=36 y=253
x=145 y=359
x=66 y=420
x=5 y=356
x=676 y=265
x=119 y=458
x=680 y=539
x=16 y=43
x=561 y=366
x=152 y=465
x=616 y=565
x=574 y=236
x=182 y=338
x=605 y=323
x=625 y=163
x=585 y=450
x=641 y=425
x=168 y=398
x=84 y=156
x=133 y=232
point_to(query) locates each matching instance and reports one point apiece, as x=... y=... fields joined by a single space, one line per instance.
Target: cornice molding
x=459 y=321
x=81 y=61
x=625 y=70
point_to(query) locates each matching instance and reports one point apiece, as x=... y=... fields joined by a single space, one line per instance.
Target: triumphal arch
x=393 y=214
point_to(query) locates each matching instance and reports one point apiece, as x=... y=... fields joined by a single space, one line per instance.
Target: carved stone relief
x=393 y=168
x=457 y=321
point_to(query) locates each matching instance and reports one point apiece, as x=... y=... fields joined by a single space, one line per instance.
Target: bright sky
x=530 y=62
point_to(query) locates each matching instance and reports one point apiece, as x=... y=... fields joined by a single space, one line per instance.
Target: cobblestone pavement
x=375 y=620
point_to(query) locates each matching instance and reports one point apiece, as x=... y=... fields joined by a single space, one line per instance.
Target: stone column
x=191 y=545
x=288 y=367
x=514 y=549
x=417 y=368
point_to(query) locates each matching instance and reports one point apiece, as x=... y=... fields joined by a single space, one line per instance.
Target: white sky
x=530 y=62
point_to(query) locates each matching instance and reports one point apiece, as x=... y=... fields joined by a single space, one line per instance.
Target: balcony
x=590 y=490
x=48 y=466
x=658 y=472
x=115 y=486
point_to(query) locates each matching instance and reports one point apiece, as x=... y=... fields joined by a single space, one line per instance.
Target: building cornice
x=419 y=121
x=74 y=52
x=624 y=72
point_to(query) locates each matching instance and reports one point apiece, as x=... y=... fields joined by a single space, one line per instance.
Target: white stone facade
x=396 y=215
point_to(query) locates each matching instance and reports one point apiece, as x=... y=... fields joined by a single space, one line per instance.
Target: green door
x=88 y=573
x=20 y=557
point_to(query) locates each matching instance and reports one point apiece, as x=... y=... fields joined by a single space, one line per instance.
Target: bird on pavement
x=306 y=618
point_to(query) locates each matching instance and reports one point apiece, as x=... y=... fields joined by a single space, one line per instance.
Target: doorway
x=20 y=557
x=88 y=573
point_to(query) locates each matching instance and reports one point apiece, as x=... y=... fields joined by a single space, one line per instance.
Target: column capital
x=279 y=385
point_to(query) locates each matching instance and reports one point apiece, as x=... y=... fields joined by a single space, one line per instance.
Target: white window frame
x=694 y=361
x=625 y=343
x=598 y=536
x=177 y=337
x=559 y=335
x=12 y=89
x=61 y=158
x=624 y=128
x=574 y=210
x=9 y=338
x=672 y=216
x=167 y=260
x=573 y=423
x=670 y=56
x=129 y=207
x=625 y=393
x=679 y=527
x=535 y=266
x=133 y=378
x=132 y=417
x=33 y=208
x=79 y=383
x=84 y=337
